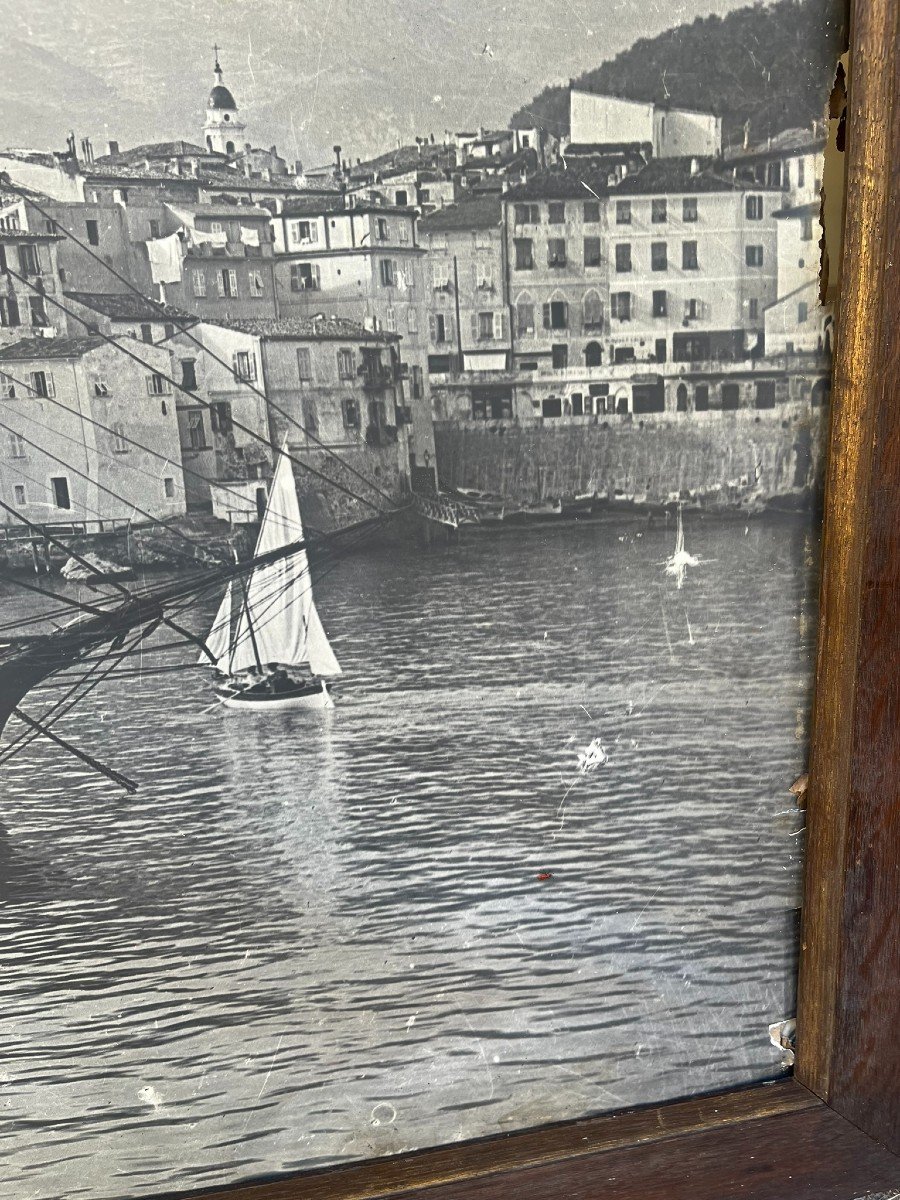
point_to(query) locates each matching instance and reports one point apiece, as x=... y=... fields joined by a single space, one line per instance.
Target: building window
x=524 y=254
x=227 y=280
x=692 y=310
x=346 y=364
x=425 y=195
x=16 y=446
x=527 y=214
x=689 y=209
x=440 y=276
x=556 y=315
x=417 y=383
x=38 y=312
x=196 y=432
x=806 y=229
x=9 y=312
x=753 y=308
x=154 y=229
x=753 y=207
x=593 y=354
x=556 y=211
x=198 y=283
x=620 y=303
x=593 y=310
x=660 y=304
x=801 y=172
x=802 y=312
x=100 y=386
x=60 y=488
x=189 y=374
x=659 y=256
x=400 y=199
x=19 y=494
x=257 y=284
x=42 y=384
x=350 y=412
x=592 y=252
x=659 y=211
x=560 y=356
x=304 y=277
x=623 y=257
x=381 y=229
x=147 y=334
x=412 y=320
x=158 y=385
x=388 y=271
x=29 y=262
x=623 y=212
x=168 y=331
x=440 y=327
x=169 y=487
x=305 y=232
x=753 y=256
x=390 y=320
x=591 y=212
x=304 y=365
x=484 y=326
x=701 y=398
x=244 y=366
x=220 y=417
x=556 y=252
x=765 y=393
x=93 y=232
x=525 y=316
x=731 y=396
x=689 y=256
x=120 y=443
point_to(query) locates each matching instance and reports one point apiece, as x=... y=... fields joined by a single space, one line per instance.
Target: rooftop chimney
x=337 y=158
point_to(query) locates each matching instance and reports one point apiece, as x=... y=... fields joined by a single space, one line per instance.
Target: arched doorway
x=593 y=354
x=681 y=398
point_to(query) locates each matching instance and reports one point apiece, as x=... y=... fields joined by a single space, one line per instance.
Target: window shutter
x=51 y=386
x=432 y=327
x=232 y=279
x=220 y=281
x=474 y=327
x=499 y=333
x=546 y=316
x=13 y=309
x=451 y=329
x=565 y=314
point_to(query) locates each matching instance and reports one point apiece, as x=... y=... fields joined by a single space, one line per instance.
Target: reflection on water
x=411 y=919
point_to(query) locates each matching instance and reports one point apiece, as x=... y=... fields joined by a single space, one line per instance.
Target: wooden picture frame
x=833 y=1130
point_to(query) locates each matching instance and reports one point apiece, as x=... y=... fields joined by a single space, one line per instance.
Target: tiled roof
x=482 y=212
x=318 y=329
x=126 y=306
x=663 y=176
x=406 y=158
x=229 y=211
x=561 y=184
x=158 y=150
x=324 y=206
x=788 y=141
x=55 y=347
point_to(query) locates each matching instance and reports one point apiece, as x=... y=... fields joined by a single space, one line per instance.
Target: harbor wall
x=715 y=458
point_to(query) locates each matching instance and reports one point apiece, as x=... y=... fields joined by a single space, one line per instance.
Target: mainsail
x=278 y=621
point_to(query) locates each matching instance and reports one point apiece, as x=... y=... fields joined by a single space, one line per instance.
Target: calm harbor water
x=314 y=937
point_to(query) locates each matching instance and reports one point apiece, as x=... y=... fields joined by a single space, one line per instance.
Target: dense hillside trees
x=771 y=65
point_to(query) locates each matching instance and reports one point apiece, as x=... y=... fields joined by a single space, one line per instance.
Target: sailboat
x=677 y=564
x=267 y=626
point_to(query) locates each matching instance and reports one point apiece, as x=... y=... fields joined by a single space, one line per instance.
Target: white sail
x=278 y=621
x=219 y=637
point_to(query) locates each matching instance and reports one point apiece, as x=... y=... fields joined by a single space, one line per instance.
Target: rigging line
x=103 y=488
x=64 y=600
x=60 y=707
x=124 y=437
x=42 y=731
x=195 y=399
x=185 y=331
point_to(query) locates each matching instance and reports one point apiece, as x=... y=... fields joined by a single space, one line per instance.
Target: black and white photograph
x=412 y=422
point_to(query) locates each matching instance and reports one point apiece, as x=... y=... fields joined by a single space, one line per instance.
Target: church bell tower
x=224 y=130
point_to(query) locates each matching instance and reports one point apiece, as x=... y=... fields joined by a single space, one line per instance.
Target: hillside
x=771 y=65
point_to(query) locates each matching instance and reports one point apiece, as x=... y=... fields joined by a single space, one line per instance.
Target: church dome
x=221 y=97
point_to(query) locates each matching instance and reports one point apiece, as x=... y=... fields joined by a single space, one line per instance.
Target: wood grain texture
x=777 y=1142
x=848 y=1008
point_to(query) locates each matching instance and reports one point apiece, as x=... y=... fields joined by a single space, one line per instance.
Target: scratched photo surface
x=411 y=427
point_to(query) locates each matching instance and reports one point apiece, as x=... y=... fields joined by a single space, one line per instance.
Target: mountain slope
x=769 y=65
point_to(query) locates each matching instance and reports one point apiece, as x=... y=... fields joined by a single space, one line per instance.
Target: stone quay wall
x=717 y=459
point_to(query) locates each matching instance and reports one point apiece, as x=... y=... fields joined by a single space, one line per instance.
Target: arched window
x=524 y=315
x=593 y=310
x=556 y=312
x=229 y=147
x=593 y=354
x=681 y=398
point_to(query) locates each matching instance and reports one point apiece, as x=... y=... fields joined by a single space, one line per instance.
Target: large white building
x=607 y=121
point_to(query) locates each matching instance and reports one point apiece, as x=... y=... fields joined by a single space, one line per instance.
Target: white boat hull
x=276 y=702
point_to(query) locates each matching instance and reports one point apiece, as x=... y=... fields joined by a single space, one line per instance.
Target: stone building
x=90 y=435
x=362 y=263
x=29 y=273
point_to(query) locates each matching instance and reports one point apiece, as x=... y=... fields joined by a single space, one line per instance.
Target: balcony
x=376 y=378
